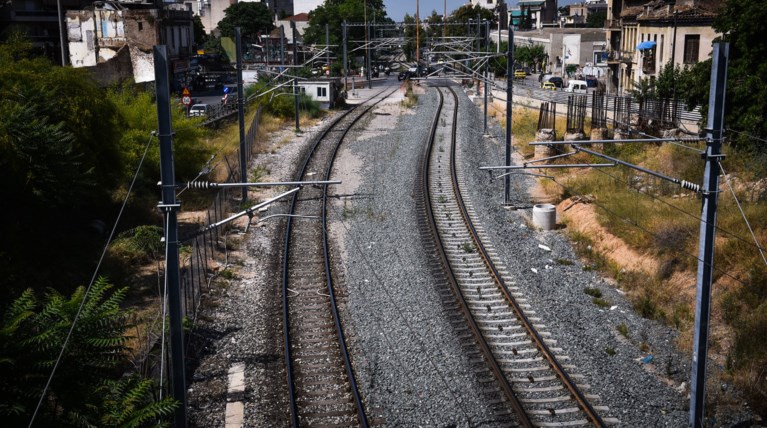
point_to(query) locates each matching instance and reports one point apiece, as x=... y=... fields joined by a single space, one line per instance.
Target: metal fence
x=199 y=252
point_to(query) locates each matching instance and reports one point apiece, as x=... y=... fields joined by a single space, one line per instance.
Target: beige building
x=644 y=36
x=114 y=40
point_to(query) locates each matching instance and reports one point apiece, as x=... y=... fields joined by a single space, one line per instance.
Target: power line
x=756 y=241
x=747 y=135
x=87 y=290
x=650 y=233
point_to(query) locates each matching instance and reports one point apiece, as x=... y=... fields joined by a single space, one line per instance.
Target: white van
x=199 y=110
x=577 y=86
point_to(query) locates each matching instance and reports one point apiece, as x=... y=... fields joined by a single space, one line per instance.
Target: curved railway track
x=323 y=389
x=527 y=368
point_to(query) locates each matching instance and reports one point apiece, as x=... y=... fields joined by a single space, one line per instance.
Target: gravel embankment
x=412 y=368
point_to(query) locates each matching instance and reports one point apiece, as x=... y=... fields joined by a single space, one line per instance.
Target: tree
x=334 y=13
x=746 y=104
x=468 y=12
x=200 y=37
x=88 y=388
x=596 y=19
x=59 y=163
x=530 y=55
x=434 y=25
x=252 y=18
x=498 y=64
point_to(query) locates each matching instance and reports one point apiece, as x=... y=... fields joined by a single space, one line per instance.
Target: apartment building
x=644 y=36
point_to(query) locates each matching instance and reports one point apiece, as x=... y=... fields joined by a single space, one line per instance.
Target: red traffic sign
x=186 y=97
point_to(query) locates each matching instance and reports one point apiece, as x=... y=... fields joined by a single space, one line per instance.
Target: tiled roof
x=300 y=17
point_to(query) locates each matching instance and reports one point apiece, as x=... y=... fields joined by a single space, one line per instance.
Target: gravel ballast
x=412 y=367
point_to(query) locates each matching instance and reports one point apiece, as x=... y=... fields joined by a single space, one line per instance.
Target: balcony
x=648 y=64
x=617 y=56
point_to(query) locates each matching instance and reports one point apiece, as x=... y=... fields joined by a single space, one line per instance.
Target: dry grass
x=659 y=219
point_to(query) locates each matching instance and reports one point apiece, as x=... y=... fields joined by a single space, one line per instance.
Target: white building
x=324 y=91
x=487 y=4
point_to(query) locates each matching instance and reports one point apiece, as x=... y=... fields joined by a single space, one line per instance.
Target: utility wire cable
x=747 y=135
x=649 y=232
x=164 y=300
x=670 y=205
x=742 y=213
x=90 y=284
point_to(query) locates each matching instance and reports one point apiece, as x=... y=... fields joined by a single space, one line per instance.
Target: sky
x=396 y=9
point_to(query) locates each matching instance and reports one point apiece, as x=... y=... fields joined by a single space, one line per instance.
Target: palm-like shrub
x=88 y=388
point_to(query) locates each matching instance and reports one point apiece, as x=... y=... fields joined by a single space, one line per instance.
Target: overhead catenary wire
x=650 y=233
x=747 y=135
x=743 y=214
x=163 y=301
x=90 y=285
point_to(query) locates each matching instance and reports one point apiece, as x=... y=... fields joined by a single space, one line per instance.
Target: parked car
x=577 y=86
x=520 y=74
x=199 y=110
x=557 y=81
x=549 y=86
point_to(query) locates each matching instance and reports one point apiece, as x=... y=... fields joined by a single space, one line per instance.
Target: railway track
x=323 y=389
x=523 y=360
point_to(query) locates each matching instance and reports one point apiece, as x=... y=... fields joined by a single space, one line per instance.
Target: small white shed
x=324 y=91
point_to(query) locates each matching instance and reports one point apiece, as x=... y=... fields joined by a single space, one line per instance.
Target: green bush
x=88 y=388
x=140 y=244
x=282 y=105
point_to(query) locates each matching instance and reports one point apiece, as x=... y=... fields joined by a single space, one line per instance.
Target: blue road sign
x=226 y=89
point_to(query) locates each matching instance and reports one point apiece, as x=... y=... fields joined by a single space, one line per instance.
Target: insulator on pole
x=203 y=185
x=690 y=186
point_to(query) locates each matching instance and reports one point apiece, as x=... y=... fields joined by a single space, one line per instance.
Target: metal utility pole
x=487 y=46
x=295 y=71
x=327 y=46
x=498 y=46
x=418 y=32
x=714 y=132
x=61 y=35
x=673 y=64
x=169 y=206
x=444 y=23
x=282 y=46
x=346 y=64
x=241 y=115
x=509 y=80
x=367 y=48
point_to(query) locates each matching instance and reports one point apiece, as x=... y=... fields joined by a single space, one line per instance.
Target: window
x=140 y=26
x=691 y=47
x=322 y=92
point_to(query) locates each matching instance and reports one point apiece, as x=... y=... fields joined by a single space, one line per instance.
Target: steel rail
x=532 y=332
x=508 y=391
x=285 y=271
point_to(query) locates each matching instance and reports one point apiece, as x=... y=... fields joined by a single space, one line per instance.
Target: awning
x=649 y=44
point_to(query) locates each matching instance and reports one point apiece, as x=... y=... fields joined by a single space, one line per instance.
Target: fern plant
x=88 y=387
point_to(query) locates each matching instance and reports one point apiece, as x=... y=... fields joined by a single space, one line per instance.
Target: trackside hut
x=324 y=91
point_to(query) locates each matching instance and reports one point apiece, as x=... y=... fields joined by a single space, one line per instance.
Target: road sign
x=186 y=97
x=226 y=89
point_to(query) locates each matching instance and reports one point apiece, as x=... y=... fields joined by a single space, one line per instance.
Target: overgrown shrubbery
x=283 y=106
x=137 y=245
x=90 y=387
